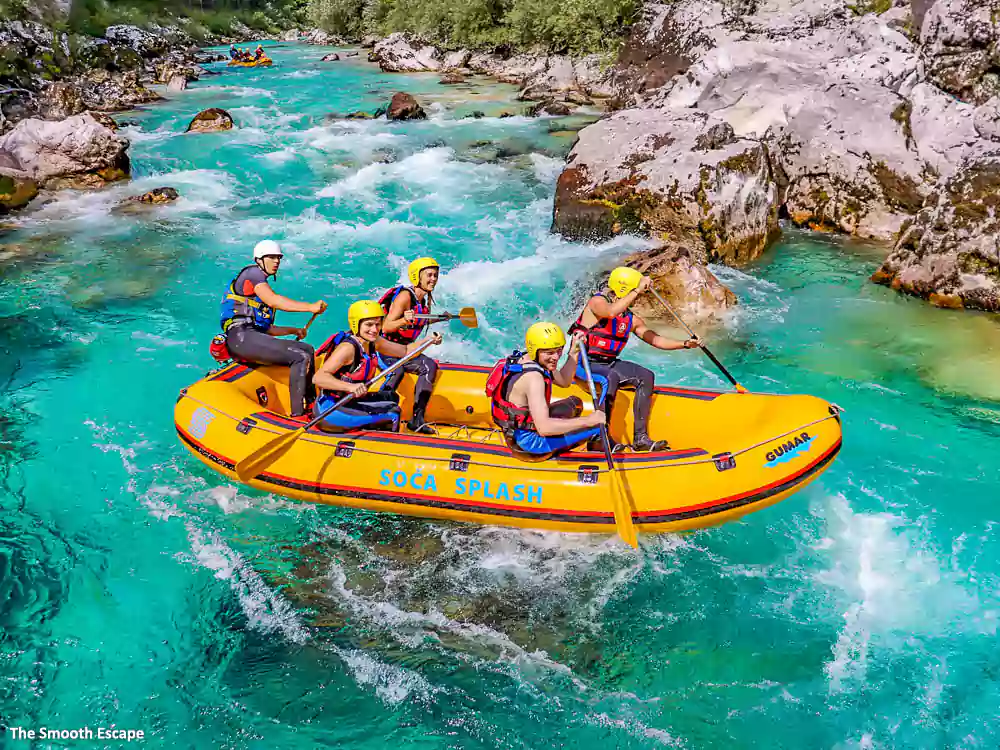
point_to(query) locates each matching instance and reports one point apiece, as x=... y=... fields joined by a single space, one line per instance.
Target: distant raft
x=264 y=62
x=737 y=453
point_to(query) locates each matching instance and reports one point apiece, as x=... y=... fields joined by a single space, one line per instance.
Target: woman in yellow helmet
x=352 y=361
x=520 y=388
x=401 y=304
x=607 y=322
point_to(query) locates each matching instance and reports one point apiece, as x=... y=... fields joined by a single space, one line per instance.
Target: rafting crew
x=247 y=319
x=403 y=304
x=607 y=323
x=520 y=390
x=352 y=360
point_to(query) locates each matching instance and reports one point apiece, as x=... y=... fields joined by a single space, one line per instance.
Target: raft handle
x=587 y=474
x=344 y=449
x=245 y=425
x=460 y=462
x=724 y=461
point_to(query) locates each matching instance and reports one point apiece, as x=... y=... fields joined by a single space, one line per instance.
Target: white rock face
x=40 y=150
x=455 y=60
x=140 y=40
x=960 y=47
x=399 y=53
x=290 y=35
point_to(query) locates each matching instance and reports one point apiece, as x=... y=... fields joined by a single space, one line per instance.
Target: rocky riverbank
x=879 y=125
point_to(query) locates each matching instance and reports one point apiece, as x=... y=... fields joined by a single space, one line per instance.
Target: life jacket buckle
x=459 y=462
x=724 y=461
x=344 y=449
x=587 y=474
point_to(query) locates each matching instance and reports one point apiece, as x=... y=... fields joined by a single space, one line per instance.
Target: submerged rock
x=15 y=193
x=211 y=120
x=549 y=107
x=670 y=173
x=332 y=57
x=404 y=107
x=401 y=53
x=695 y=293
x=949 y=254
x=450 y=79
x=75 y=152
x=156 y=196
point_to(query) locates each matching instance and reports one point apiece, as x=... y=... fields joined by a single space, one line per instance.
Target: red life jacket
x=362 y=367
x=607 y=337
x=411 y=331
x=508 y=415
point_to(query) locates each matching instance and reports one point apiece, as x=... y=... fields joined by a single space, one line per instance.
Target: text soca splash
x=472 y=488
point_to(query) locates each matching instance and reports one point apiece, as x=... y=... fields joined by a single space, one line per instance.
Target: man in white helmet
x=247 y=319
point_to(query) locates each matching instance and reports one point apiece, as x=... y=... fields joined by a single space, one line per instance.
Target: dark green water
x=139 y=589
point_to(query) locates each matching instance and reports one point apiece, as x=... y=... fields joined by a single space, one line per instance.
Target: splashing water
x=140 y=589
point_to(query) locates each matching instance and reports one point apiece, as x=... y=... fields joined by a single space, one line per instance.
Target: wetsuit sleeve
x=249 y=279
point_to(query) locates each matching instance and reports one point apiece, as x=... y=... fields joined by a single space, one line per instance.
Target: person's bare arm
x=534 y=389
x=602 y=308
x=340 y=357
x=272 y=299
x=651 y=337
x=565 y=375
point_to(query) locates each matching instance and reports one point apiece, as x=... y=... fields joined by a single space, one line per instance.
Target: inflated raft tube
x=265 y=63
x=734 y=453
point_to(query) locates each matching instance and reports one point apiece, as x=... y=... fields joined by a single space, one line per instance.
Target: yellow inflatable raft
x=265 y=62
x=733 y=453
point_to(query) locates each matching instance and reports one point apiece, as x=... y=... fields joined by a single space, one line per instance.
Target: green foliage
x=573 y=26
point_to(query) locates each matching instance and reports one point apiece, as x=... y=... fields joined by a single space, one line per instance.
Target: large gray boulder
x=950 y=253
x=960 y=47
x=401 y=53
x=680 y=174
x=139 y=40
x=77 y=151
x=695 y=293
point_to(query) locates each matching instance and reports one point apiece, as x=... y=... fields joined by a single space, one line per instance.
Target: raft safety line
x=534 y=466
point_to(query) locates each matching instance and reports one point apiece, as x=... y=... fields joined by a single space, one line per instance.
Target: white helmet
x=265 y=248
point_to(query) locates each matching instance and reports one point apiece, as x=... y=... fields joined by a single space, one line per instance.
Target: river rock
x=324 y=38
x=404 y=107
x=177 y=83
x=211 y=121
x=157 y=196
x=60 y=100
x=451 y=78
x=960 y=48
x=75 y=152
x=552 y=81
x=370 y=40
x=688 y=285
x=139 y=40
x=550 y=107
x=290 y=35
x=950 y=253
x=670 y=173
x=593 y=78
x=986 y=119
x=114 y=92
x=456 y=60
x=401 y=53
x=15 y=192
x=332 y=57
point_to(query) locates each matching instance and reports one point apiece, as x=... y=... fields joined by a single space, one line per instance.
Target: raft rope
x=836 y=411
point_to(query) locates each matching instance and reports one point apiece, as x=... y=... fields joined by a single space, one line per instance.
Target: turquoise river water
x=140 y=590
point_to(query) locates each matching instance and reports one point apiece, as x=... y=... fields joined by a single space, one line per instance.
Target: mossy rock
x=15 y=193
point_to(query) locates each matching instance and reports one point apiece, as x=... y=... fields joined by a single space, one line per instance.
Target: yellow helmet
x=623 y=280
x=363 y=310
x=543 y=336
x=419 y=265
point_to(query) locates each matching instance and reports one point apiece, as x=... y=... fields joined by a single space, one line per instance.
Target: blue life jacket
x=244 y=308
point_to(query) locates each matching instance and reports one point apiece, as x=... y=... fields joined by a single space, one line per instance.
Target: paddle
x=623 y=513
x=704 y=348
x=271 y=451
x=467 y=315
x=306 y=329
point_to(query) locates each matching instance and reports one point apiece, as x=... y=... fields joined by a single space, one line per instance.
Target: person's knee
x=430 y=368
x=577 y=404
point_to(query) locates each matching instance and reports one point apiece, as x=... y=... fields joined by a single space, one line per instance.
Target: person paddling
x=607 y=322
x=401 y=304
x=258 y=53
x=233 y=52
x=520 y=388
x=247 y=319
x=352 y=361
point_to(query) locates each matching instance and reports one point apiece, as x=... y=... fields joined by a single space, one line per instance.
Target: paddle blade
x=623 y=512
x=266 y=455
x=468 y=317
